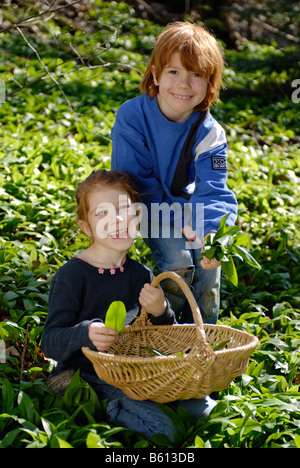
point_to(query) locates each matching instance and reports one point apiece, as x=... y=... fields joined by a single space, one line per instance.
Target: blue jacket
x=170 y=164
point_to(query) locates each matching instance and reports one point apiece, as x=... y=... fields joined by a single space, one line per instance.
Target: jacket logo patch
x=218 y=162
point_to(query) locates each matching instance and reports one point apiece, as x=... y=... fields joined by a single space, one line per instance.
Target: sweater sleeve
x=167 y=318
x=63 y=334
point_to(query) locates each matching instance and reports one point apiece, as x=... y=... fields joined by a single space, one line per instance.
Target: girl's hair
x=98 y=180
x=199 y=52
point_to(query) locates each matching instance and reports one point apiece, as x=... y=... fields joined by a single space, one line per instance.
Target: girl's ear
x=84 y=226
x=155 y=80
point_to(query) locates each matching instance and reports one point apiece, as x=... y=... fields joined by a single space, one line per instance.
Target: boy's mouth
x=180 y=96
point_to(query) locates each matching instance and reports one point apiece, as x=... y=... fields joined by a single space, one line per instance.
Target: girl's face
x=180 y=91
x=112 y=222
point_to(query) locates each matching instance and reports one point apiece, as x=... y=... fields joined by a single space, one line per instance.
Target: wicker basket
x=192 y=366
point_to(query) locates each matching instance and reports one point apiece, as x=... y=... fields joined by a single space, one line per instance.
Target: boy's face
x=111 y=222
x=180 y=90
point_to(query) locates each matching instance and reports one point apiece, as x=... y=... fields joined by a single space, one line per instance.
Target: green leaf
x=93 y=440
x=226 y=241
x=242 y=239
x=199 y=443
x=247 y=257
x=154 y=351
x=7 y=397
x=9 y=439
x=230 y=271
x=221 y=228
x=221 y=345
x=225 y=245
x=27 y=409
x=115 y=316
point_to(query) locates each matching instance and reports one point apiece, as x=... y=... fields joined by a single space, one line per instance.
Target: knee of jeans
x=187 y=274
x=112 y=410
x=170 y=259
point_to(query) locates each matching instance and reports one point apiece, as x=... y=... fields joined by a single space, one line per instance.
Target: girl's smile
x=110 y=224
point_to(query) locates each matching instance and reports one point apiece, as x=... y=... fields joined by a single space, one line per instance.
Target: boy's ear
x=154 y=75
x=84 y=226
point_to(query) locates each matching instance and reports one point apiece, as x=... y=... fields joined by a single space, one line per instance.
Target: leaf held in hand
x=247 y=256
x=115 y=316
x=225 y=245
x=230 y=271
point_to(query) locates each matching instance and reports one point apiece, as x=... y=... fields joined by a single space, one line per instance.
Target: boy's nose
x=184 y=81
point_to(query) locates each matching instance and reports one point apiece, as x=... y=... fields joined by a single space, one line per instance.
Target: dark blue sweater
x=79 y=295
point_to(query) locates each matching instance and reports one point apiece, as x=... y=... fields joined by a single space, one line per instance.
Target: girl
x=167 y=140
x=82 y=290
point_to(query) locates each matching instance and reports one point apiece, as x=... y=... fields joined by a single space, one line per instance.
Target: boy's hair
x=199 y=52
x=99 y=179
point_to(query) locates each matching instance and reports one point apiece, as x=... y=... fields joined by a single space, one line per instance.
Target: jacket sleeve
x=131 y=155
x=211 y=181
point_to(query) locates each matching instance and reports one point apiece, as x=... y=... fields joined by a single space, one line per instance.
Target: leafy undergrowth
x=52 y=136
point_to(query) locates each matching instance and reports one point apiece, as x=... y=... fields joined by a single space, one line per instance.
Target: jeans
x=144 y=416
x=175 y=253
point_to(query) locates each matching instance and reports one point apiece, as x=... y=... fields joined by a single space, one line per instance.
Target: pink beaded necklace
x=112 y=270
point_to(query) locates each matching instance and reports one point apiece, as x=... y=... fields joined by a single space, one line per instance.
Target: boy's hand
x=189 y=234
x=205 y=262
x=209 y=264
x=153 y=300
x=101 y=336
x=191 y=237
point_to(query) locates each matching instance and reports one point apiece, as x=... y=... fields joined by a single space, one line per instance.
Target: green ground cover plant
x=63 y=87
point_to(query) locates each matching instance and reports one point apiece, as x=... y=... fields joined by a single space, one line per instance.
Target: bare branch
x=15 y=25
x=46 y=69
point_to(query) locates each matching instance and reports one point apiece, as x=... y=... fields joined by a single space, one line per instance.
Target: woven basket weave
x=192 y=367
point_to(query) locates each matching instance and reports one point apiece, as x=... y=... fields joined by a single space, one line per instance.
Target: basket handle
x=189 y=295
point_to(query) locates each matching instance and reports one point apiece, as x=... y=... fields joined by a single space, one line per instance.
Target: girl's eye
x=123 y=209
x=101 y=212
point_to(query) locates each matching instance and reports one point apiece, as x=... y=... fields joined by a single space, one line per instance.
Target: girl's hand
x=101 y=336
x=153 y=300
